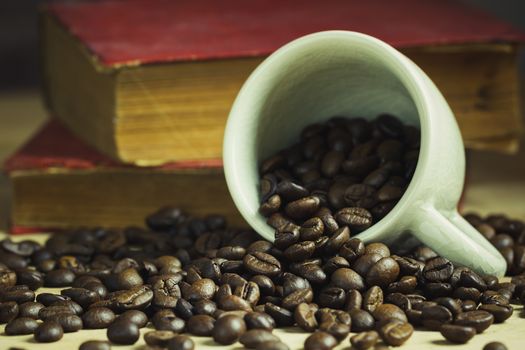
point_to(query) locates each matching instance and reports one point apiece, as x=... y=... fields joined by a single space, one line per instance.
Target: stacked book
x=140 y=91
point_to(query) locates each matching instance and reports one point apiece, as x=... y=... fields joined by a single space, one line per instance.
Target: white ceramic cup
x=346 y=73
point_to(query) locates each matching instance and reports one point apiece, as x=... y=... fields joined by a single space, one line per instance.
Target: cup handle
x=452 y=237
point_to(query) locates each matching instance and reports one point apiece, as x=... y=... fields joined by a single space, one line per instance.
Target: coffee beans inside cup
x=185 y=276
x=342 y=177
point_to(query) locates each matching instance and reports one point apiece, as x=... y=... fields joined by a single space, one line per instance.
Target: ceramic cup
x=346 y=73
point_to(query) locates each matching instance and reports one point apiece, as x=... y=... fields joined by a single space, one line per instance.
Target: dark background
x=19 y=35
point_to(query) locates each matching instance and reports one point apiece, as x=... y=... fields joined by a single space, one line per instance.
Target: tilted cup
x=346 y=73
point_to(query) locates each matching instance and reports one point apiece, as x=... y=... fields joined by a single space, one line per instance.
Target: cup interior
x=307 y=81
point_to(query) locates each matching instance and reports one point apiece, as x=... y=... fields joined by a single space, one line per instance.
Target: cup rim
x=406 y=71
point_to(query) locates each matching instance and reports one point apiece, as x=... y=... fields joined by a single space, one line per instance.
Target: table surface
x=495 y=183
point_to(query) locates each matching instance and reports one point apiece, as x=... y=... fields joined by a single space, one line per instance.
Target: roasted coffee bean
x=68 y=322
x=363 y=264
x=297 y=297
x=469 y=278
x=311 y=272
x=181 y=342
x=201 y=289
x=354 y=300
x=228 y=329
x=396 y=332
x=20 y=326
x=467 y=293
x=468 y=305
x=262 y=263
x=159 y=338
x=205 y=307
x=291 y=191
x=382 y=273
x=500 y=312
x=31 y=278
x=332 y=297
x=338 y=330
x=400 y=300
x=134 y=316
x=200 y=325
x=356 y=218
x=478 y=319
x=406 y=285
x=233 y=302
x=123 y=333
x=347 y=279
x=282 y=316
x=300 y=251
x=165 y=320
x=50 y=311
x=453 y=305
x=457 y=334
x=84 y=297
x=362 y=320
x=388 y=312
x=49 y=298
x=434 y=316
x=252 y=338
x=352 y=250
x=372 y=299
x=98 y=317
x=312 y=229
x=265 y=283
x=19 y=294
x=7 y=278
x=438 y=270
x=48 y=332
x=259 y=320
x=495 y=345
x=95 y=345
x=302 y=208
x=304 y=316
x=8 y=311
x=30 y=309
x=320 y=341
x=364 y=340
x=59 y=278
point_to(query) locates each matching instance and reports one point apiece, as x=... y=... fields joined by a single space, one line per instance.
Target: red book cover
x=54 y=146
x=152 y=31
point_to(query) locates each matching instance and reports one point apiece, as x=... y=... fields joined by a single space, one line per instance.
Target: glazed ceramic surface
x=345 y=73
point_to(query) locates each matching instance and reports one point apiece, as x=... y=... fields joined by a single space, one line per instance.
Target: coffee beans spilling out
x=338 y=180
x=188 y=276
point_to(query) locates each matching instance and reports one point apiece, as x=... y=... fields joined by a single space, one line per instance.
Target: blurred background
x=22 y=111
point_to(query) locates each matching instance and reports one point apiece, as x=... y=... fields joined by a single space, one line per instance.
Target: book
x=152 y=81
x=60 y=182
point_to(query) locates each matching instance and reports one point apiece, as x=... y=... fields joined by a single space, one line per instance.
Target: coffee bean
x=252 y=338
x=304 y=316
x=478 y=319
x=362 y=320
x=297 y=297
x=134 y=316
x=233 y=302
x=49 y=298
x=372 y=299
x=500 y=312
x=302 y=208
x=320 y=341
x=338 y=330
x=181 y=342
x=165 y=320
x=332 y=297
x=123 y=333
x=159 y=338
x=457 y=334
x=98 y=317
x=262 y=263
x=95 y=345
x=48 y=332
x=282 y=316
x=383 y=272
x=200 y=325
x=388 y=312
x=19 y=294
x=356 y=218
x=396 y=332
x=30 y=309
x=8 y=311
x=347 y=279
x=300 y=251
x=312 y=229
x=438 y=270
x=68 y=322
x=59 y=278
x=84 y=297
x=20 y=326
x=354 y=300
x=31 y=278
x=495 y=345
x=434 y=316
x=228 y=329
x=259 y=320
x=352 y=250
x=337 y=240
x=364 y=340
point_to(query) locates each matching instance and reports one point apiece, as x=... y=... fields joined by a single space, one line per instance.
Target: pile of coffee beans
x=186 y=276
x=341 y=178
x=507 y=235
